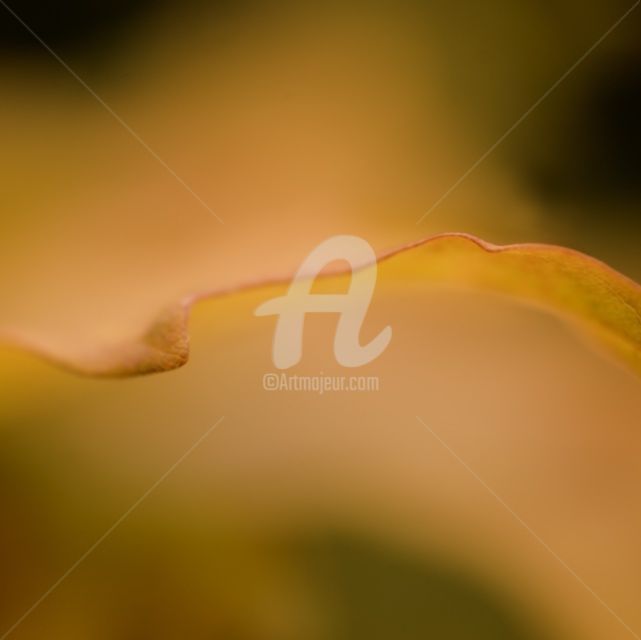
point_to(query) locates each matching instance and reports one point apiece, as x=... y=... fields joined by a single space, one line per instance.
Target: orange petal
x=583 y=289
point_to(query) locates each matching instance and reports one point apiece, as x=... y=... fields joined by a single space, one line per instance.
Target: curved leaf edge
x=164 y=345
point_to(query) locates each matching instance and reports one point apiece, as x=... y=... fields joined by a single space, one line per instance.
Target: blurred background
x=152 y=149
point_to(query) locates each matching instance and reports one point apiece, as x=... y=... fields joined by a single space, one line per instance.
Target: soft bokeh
x=301 y=515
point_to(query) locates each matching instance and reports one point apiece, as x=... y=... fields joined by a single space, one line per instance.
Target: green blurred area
x=176 y=569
